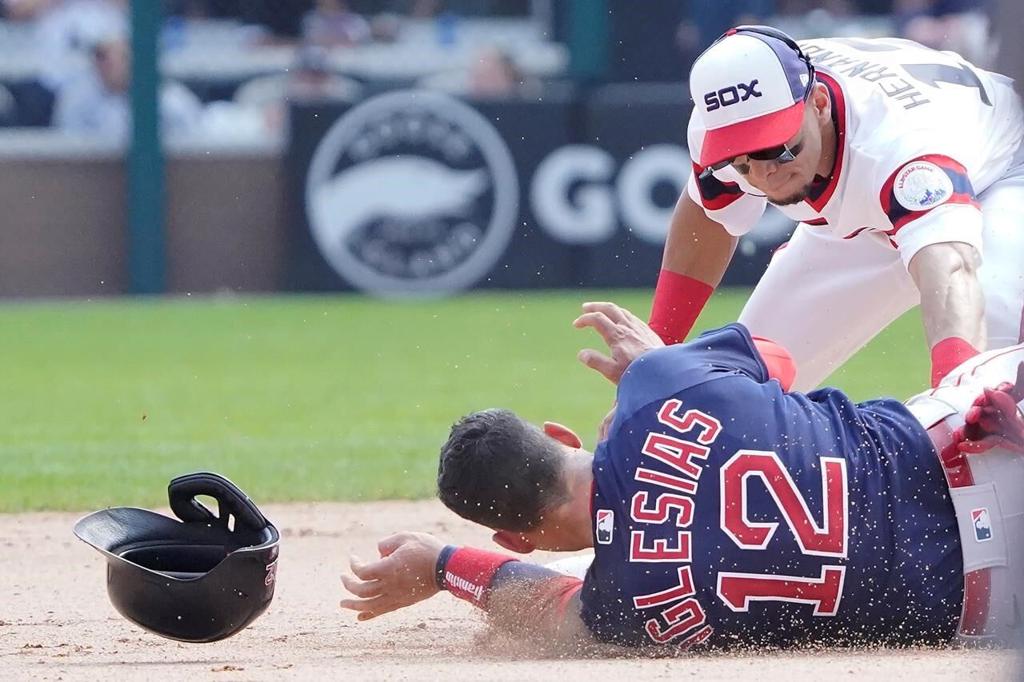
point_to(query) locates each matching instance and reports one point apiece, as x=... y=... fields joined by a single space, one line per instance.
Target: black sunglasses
x=780 y=153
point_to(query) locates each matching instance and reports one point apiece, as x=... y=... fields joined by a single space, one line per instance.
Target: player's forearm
x=540 y=606
x=952 y=304
x=697 y=252
x=530 y=602
x=697 y=246
x=957 y=310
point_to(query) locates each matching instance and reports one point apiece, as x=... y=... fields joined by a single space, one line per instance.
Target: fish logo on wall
x=412 y=193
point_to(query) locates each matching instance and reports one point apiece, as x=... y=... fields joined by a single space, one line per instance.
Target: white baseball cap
x=748 y=92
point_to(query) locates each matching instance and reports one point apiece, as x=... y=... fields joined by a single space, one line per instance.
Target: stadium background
x=211 y=190
x=256 y=275
x=567 y=115
x=171 y=298
x=275 y=150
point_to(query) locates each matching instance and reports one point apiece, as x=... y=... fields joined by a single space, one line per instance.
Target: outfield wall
x=409 y=192
x=64 y=221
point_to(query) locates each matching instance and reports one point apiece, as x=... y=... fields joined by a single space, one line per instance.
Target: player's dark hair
x=500 y=471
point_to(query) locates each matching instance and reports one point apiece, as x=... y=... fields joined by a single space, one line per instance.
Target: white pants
x=823 y=298
x=990 y=509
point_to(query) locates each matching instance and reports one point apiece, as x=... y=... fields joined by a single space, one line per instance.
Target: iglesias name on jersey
x=920 y=134
x=728 y=512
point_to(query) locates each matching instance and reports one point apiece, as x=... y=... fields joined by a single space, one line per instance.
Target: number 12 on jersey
x=829 y=538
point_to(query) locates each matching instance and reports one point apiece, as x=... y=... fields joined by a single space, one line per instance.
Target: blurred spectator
x=97 y=103
x=1007 y=18
x=333 y=24
x=832 y=7
x=705 y=21
x=492 y=74
x=282 y=18
x=709 y=19
x=643 y=45
x=386 y=27
x=424 y=9
x=285 y=18
x=311 y=79
x=23 y=10
x=957 y=25
x=187 y=9
x=65 y=30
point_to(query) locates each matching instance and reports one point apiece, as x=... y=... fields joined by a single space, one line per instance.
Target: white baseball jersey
x=920 y=134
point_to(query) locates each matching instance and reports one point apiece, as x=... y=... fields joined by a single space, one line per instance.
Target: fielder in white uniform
x=904 y=167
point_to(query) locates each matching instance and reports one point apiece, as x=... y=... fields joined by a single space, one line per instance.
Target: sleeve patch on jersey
x=922 y=184
x=714 y=193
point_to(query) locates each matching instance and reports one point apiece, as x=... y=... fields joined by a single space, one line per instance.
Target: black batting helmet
x=200 y=579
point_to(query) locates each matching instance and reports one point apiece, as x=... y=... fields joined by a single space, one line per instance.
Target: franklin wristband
x=467 y=572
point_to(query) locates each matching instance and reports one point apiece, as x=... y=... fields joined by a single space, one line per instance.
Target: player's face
x=787 y=178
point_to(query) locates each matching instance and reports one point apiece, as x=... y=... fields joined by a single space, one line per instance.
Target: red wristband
x=947 y=354
x=678 y=300
x=469 y=572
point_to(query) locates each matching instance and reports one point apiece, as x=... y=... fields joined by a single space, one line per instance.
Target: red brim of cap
x=762 y=132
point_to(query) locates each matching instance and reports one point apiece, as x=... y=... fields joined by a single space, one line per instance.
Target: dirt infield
x=57 y=624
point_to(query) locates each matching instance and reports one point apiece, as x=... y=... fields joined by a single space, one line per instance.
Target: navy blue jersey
x=727 y=511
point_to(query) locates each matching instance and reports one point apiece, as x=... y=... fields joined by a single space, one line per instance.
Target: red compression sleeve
x=468 y=573
x=777 y=359
x=678 y=300
x=563 y=591
x=472 y=574
x=947 y=354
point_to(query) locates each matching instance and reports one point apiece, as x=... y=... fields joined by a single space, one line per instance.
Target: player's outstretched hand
x=628 y=337
x=402 y=576
x=995 y=420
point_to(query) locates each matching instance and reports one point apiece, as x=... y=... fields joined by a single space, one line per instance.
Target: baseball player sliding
x=904 y=169
x=724 y=510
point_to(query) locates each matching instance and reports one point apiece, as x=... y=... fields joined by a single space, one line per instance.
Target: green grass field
x=306 y=398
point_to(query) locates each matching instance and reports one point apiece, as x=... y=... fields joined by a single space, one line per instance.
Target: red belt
x=977 y=584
